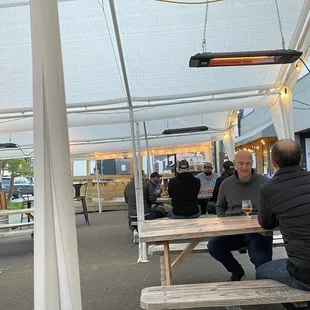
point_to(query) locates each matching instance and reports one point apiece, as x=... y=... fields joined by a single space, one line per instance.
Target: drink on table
x=247 y=207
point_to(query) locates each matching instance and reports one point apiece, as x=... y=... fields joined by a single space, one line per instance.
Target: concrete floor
x=110 y=277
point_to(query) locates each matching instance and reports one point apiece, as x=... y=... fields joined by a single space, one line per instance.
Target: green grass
x=14 y=205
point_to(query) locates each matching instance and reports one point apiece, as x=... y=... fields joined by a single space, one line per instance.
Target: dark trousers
x=206 y=207
x=259 y=248
x=203 y=203
x=156 y=212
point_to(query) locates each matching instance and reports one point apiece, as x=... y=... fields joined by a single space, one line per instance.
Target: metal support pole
x=98 y=188
x=139 y=197
x=130 y=107
x=149 y=169
x=175 y=164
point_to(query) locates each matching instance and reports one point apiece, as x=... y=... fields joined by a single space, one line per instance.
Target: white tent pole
x=56 y=272
x=138 y=187
x=98 y=188
x=139 y=195
x=149 y=169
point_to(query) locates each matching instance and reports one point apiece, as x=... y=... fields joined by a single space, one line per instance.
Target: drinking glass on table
x=247 y=207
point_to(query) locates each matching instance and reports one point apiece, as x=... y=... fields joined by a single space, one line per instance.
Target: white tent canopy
x=158 y=40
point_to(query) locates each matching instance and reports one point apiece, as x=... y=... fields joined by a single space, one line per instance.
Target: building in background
x=258 y=135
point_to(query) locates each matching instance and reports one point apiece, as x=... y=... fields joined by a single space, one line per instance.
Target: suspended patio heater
x=8 y=146
x=249 y=58
x=185 y=130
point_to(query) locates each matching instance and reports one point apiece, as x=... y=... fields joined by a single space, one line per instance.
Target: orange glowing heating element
x=246 y=60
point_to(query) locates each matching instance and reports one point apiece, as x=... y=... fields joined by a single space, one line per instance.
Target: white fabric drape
x=208 y=154
x=282 y=115
x=229 y=143
x=56 y=272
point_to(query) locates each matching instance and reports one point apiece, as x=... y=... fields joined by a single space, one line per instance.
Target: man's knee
x=261 y=272
x=213 y=246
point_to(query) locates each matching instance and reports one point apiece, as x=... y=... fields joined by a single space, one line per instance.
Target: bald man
x=285 y=202
x=244 y=184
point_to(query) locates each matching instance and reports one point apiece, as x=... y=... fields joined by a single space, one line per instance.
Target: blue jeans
x=182 y=217
x=277 y=270
x=259 y=248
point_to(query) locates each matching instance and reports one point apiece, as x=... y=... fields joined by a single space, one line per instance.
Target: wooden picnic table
x=195 y=230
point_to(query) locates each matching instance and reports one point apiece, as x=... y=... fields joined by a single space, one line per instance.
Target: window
x=246 y=112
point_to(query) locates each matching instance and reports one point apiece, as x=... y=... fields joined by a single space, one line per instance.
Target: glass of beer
x=247 y=207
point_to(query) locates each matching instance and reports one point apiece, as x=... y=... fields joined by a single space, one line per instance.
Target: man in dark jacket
x=285 y=202
x=184 y=189
x=149 y=199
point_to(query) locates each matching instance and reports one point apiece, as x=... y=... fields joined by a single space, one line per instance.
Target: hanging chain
x=280 y=24
x=205 y=29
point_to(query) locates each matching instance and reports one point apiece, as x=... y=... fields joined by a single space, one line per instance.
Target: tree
x=16 y=167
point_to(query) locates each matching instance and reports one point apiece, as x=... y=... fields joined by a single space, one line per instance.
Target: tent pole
x=98 y=187
x=138 y=187
x=148 y=157
x=56 y=275
x=140 y=199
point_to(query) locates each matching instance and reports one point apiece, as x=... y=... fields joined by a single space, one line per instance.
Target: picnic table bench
x=224 y=294
x=228 y=294
x=6 y=229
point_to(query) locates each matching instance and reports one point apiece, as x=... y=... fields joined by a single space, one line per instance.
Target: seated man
x=184 y=189
x=285 y=202
x=155 y=183
x=229 y=170
x=243 y=185
x=207 y=180
x=149 y=199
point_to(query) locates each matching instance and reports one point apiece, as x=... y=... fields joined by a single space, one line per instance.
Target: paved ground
x=110 y=277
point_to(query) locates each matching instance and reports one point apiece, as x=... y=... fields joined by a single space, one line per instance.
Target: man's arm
x=216 y=190
x=125 y=194
x=169 y=187
x=266 y=218
x=221 y=204
x=151 y=195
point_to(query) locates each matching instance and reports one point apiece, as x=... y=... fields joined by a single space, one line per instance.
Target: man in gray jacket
x=244 y=184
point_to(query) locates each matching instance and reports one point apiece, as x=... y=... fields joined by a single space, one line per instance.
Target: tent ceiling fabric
x=158 y=40
x=116 y=137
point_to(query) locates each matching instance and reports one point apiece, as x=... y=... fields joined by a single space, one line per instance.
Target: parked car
x=19 y=183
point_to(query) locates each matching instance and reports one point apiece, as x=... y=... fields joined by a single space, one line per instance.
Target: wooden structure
x=6 y=229
x=202 y=247
x=225 y=294
x=196 y=230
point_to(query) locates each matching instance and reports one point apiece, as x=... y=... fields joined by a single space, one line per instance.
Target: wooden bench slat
x=202 y=247
x=257 y=292
x=15 y=233
x=7 y=226
x=18 y=211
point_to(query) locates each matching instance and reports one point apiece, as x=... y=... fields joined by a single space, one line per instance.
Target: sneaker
x=236 y=277
x=135 y=237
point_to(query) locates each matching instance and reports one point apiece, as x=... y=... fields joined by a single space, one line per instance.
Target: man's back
x=184 y=190
x=130 y=197
x=285 y=201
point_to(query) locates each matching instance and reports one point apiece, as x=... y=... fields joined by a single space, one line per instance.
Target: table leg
x=189 y=248
x=162 y=271
x=167 y=262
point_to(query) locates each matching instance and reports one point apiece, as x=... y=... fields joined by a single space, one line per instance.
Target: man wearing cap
x=184 y=189
x=155 y=182
x=207 y=180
